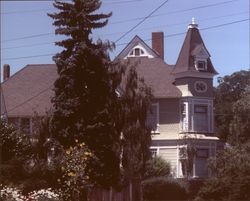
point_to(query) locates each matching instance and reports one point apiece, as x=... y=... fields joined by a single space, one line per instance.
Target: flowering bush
x=75 y=178
x=14 y=194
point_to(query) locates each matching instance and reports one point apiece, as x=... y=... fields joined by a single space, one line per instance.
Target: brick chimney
x=158 y=43
x=6 y=71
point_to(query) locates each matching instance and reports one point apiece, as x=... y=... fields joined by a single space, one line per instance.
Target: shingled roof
x=157 y=75
x=192 y=44
x=29 y=90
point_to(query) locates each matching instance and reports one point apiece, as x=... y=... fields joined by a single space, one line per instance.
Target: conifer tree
x=85 y=89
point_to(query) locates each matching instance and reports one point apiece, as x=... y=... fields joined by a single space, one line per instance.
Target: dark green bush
x=157 y=167
x=164 y=188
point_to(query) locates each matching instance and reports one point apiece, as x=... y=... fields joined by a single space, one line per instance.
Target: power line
x=206 y=28
x=26 y=37
x=50 y=87
x=180 y=23
x=27 y=57
x=121 y=2
x=148 y=28
x=145 y=18
x=167 y=36
x=31 y=45
x=177 y=11
x=49 y=9
x=25 y=11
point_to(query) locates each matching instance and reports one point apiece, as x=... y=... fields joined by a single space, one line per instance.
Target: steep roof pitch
x=134 y=42
x=29 y=90
x=191 y=46
x=157 y=75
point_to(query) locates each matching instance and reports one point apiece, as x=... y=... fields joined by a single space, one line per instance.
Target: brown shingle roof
x=157 y=75
x=29 y=90
x=192 y=43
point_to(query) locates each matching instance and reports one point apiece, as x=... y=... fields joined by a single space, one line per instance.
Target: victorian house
x=182 y=110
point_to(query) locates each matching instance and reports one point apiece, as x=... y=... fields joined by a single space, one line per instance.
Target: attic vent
x=136 y=52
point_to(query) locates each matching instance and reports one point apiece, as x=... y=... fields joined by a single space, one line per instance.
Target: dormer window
x=136 y=52
x=201 y=64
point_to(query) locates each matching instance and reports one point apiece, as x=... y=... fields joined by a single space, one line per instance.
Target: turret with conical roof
x=194 y=56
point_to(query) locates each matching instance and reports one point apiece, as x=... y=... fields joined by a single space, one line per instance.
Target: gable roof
x=157 y=75
x=134 y=42
x=29 y=90
x=192 y=44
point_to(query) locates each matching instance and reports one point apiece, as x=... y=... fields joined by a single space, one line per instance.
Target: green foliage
x=85 y=90
x=231 y=180
x=15 y=152
x=13 y=144
x=157 y=167
x=163 y=188
x=135 y=102
x=240 y=125
x=229 y=91
x=75 y=179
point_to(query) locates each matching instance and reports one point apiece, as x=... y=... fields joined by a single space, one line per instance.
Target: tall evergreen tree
x=85 y=90
x=135 y=103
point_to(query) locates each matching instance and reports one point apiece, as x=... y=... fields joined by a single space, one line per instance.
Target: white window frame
x=197 y=60
x=190 y=107
x=156 y=131
x=142 y=52
x=186 y=127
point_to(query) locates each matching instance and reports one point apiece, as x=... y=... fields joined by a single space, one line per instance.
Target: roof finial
x=193 y=20
x=193 y=24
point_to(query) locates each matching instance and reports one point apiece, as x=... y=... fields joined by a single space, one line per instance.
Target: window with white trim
x=196 y=115
x=153 y=118
x=184 y=116
x=200 y=64
x=200 y=118
x=136 y=52
x=153 y=152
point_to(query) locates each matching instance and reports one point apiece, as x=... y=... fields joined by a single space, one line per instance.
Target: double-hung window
x=153 y=118
x=201 y=118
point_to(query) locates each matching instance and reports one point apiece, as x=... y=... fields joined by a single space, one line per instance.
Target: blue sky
x=228 y=44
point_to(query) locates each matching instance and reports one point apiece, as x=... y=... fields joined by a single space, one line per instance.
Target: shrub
x=157 y=167
x=164 y=188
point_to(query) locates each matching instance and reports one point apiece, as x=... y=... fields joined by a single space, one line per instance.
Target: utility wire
x=167 y=36
x=26 y=37
x=145 y=18
x=43 y=91
x=177 y=11
x=179 y=23
x=148 y=28
x=120 y=2
x=26 y=57
x=206 y=28
x=31 y=45
x=49 y=9
x=25 y=11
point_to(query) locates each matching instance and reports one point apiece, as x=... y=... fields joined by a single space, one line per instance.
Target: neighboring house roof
x=157 y=75
x=29 y=90
x=193 y=43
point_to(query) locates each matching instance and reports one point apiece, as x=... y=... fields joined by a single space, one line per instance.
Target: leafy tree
x=229 y=90
x=231 y=180
x=240 y=125
x=85 y=90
